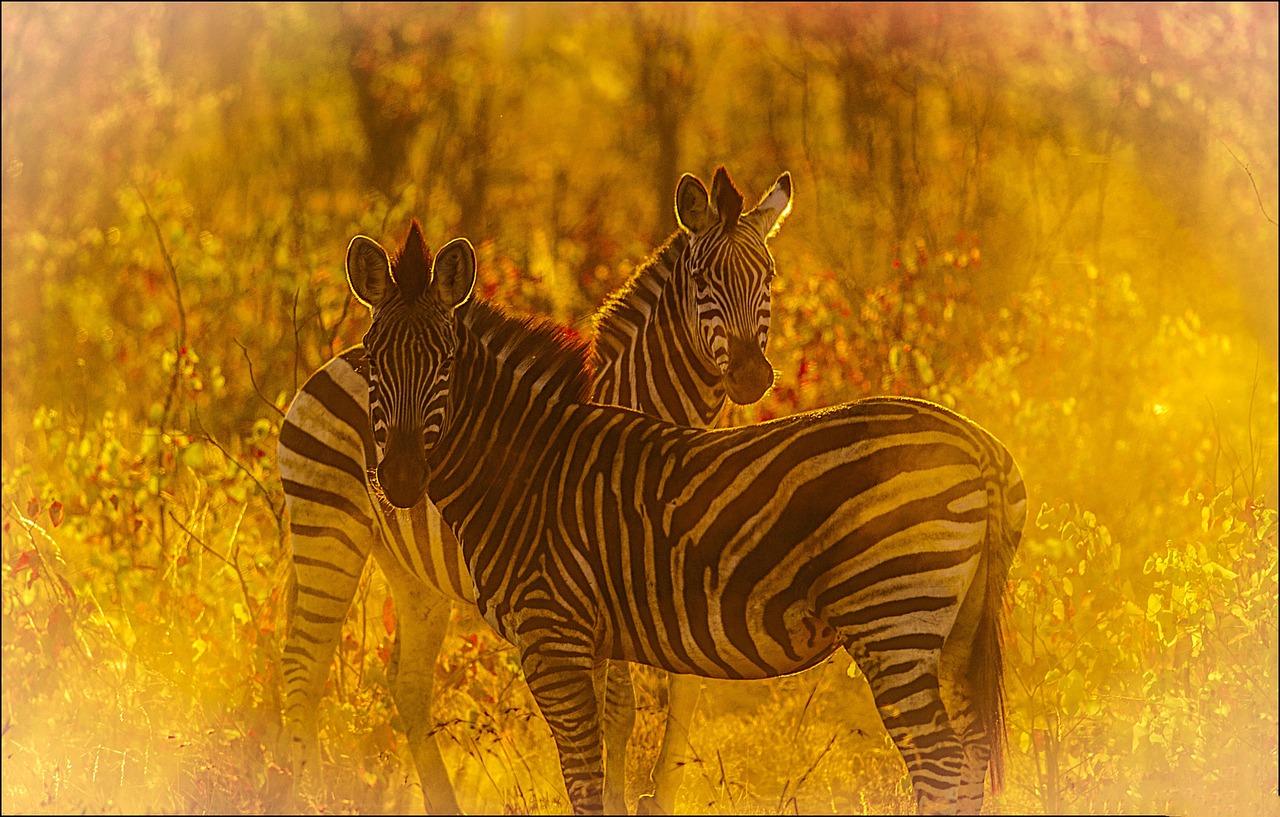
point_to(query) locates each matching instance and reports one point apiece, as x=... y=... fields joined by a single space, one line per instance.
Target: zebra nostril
x=402 y=474
x=403 y=481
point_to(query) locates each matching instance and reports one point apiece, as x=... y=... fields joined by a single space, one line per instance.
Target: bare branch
x=332 y=332
x=278 y=513
x=296 y=343
x=231 y=563
x=182 y=344
x=254 y=381
x=1249 y=173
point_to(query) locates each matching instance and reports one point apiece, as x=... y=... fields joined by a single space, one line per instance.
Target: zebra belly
x=690 y=641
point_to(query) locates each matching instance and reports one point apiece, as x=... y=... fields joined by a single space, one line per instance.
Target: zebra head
x=410 y=348
x=728 y=271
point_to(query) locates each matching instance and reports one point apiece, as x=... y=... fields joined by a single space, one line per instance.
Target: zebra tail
x=986 y=667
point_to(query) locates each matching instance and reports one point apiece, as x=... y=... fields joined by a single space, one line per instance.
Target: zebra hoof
x=648 y=804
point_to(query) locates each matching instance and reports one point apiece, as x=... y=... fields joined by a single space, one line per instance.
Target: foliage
x=1056 y=219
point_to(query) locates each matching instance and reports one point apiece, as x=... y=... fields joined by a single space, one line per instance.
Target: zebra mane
x=627 y=310
x=545 y=349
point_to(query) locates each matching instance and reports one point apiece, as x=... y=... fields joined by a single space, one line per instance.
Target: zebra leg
x=564 y=687
x=618 y=721
x=668 y=772
x=968 y=673
x=327 y=564
x=909 y=699
x=972 y=664
x=977 y=753
x=422 y=623
x=958 y=693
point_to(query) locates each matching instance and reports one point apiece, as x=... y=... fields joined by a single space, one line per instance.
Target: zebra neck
x=645 y=354
x=510 y=375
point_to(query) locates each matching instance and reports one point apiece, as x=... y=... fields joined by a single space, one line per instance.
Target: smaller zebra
x=592 y=533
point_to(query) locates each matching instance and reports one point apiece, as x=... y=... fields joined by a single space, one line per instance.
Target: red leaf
x=33 y=508
x=389 y=615
x=55 y=513
x=23 y=561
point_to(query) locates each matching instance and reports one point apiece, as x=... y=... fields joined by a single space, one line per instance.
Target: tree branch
x=1249 y=173
x=254 y=381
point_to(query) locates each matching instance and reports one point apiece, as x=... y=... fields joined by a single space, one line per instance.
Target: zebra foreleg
x=422 y=622
x=674 y=755
x=564 y=688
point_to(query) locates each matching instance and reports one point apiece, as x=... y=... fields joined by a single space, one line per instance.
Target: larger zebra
x=593 y=533
x=687 y=331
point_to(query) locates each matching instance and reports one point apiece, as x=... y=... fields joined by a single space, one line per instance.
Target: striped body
x=884 y=526
x=647 y=354
x=731 y=554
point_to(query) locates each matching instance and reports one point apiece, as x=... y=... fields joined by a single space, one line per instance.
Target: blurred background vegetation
x=1059 y=219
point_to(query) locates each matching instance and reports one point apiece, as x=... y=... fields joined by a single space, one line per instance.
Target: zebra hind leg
x=960 y=688
x=977 y=757
x=327 y=566
x=972 y=661
x=908 y=697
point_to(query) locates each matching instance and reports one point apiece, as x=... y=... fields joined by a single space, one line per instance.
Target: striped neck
x=518 y=380
x=645 y=353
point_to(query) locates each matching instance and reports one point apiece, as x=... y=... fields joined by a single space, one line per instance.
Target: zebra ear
x=727 y=199
x=693 y=208
x=368 y=271
x=454 y=273
x=774 y=206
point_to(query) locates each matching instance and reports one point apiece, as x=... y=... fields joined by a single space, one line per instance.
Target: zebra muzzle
x=749 y=374
x=402 y=474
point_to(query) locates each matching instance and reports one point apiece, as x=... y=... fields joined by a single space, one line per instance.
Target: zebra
x=595 y=533
x=652 y=351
